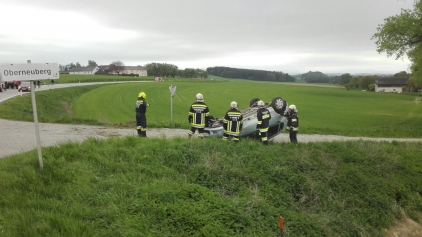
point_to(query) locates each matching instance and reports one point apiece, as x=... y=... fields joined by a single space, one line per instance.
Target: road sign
x=29 y=71
x=172 y=90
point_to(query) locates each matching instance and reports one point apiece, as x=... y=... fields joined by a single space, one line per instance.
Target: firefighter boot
x=144 y=133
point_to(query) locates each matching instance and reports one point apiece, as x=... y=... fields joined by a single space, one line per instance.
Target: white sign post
x=172 y=92
x=31 y=72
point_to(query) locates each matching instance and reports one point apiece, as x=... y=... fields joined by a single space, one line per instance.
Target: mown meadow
x=321 y=110
x=206 y=187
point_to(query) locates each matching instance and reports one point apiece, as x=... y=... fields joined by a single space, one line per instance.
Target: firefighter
x=198 y=116
x=233 y=123
x=141 y=119
x=292 y=123
x=263 y=116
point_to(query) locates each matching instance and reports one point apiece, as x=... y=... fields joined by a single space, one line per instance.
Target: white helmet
x=233 y=104
x=292 y=107
x=199 y=96
x=261 y=103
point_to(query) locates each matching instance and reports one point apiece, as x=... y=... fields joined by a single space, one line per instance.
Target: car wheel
x=279 y=105
x=253 y=101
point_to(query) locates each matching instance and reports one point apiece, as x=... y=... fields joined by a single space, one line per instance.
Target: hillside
x=181 y=187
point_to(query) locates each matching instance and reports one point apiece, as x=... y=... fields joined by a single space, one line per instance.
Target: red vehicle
x=25 y=86
x=12 y=84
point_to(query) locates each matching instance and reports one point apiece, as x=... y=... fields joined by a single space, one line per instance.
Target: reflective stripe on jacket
x=198 y=114
x=233 y=122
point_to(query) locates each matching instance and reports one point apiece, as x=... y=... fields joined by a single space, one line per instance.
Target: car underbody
x=278 y=122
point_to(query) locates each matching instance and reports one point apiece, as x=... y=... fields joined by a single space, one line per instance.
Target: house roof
x=82 y=69
x=391 y=81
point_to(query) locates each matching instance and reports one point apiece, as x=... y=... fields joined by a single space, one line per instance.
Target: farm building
x=141 y=71
x=84 y=70
x=137 y=70
x=390 y=84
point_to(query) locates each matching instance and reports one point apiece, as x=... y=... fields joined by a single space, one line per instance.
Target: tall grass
x=321 y=110
x=180 y=187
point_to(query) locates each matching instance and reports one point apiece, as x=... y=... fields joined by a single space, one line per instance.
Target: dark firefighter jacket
x=293 y=122
x=233 y=122
x=141 y=106
x=263 y=116
x=198 y=114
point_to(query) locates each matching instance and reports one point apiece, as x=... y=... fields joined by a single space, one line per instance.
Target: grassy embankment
x=321 y=110
x=180 y=187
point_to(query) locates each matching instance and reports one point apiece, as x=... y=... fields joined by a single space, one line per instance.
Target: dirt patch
x=66 y=107
x=405 y=228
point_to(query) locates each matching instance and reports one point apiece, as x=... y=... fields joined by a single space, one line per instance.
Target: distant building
x=390 y=84
x=140 y=71
x=84 y=70
x=126 y=70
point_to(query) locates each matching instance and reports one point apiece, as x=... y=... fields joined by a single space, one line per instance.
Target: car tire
x=253 y=101
x=279 y=105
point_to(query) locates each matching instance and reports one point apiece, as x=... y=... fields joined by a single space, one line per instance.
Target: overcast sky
x=293 y=36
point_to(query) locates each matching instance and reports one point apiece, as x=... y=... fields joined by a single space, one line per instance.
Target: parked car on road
x=278 y=122
x=25 y=86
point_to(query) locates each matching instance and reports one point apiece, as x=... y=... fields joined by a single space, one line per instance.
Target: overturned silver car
x=278 y=122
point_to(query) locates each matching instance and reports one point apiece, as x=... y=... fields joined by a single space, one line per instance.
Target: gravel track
x=17 y=137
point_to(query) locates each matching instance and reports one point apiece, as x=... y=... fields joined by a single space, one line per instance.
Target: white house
x=390 y=84
x=137 y=70
x=84 y=70
x=141 y=71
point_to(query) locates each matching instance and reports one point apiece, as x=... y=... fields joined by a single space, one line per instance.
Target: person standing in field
x=233 y=123
x=198 y=116
x=292 y=123
x=263 y=116
x=141 y=119
x=39 y=83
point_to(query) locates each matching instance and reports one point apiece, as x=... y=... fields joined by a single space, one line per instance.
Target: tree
x=70 y=66
x=366 y=81
x=402 y=74
x=78 y=64
x=401 y=35
x=92 y=63
x=116 y=67
x=315 y=77
x=346 y=78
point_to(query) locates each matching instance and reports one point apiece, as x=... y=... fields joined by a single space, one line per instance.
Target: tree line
x=250 y=74
x=350 y=82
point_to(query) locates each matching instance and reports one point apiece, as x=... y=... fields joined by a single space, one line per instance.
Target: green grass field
x=321 y=110
x=205 y=187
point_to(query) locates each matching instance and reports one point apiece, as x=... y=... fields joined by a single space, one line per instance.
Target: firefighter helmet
x=199 y=96
x=233 y=104
x=293 y=108
x=261 y=103
x=143 y=95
